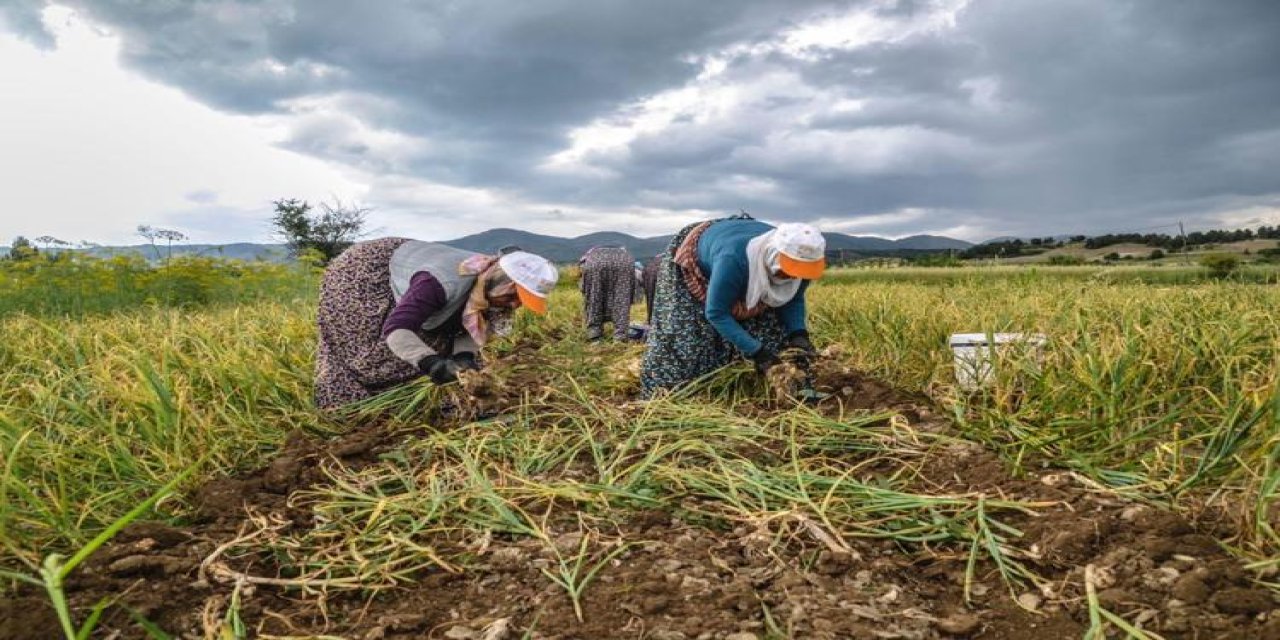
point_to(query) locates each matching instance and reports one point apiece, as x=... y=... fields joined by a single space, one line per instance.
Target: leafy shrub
x=937 y=260
x=1220 y=265
x=1065 y=260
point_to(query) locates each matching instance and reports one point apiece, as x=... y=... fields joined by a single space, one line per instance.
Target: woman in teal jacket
x=728 y=287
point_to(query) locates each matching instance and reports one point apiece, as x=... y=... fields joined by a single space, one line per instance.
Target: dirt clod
x=1030 y=601
x=959 y=624
x=149 y=565
x=459 y=632
x=1243 y=601
x=1191 y=588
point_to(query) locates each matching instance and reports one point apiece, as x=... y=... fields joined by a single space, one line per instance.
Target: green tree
x=329 y=231
x=22 y=249
x=1156 y=254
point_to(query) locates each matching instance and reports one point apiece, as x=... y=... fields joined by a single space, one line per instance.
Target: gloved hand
x=765 y=359
x=466 y=361
x=800 y=340
x=441 y=370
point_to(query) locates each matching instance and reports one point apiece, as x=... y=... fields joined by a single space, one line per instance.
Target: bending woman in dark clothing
x=394 y=309
x=608 y=289
x=728 y=287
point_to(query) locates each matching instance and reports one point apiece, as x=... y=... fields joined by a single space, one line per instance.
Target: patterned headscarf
x=491 y=282
x=686 y=257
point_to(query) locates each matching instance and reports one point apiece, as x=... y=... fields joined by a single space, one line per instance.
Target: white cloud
x=1255 y=215
x=89 y=150
x=777 y=106
x=416 y=208
x=331 y=128
x=860 y=27
x=873 y=223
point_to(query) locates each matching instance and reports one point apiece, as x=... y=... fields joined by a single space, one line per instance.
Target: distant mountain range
x=553 y=248
x=570 y=249
x=558 y=249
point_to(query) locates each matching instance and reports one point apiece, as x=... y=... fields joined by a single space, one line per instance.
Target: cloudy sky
x=969 y=119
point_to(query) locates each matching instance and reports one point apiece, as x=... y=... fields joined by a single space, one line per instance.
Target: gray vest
x=442 y=262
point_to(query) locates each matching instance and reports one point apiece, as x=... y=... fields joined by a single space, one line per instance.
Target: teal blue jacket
x=722 y=254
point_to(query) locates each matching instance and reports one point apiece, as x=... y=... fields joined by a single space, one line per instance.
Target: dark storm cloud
x=1027 y=117
x=22 y=17
x=1132 y=103
x=1021 y=117
x=492 y=84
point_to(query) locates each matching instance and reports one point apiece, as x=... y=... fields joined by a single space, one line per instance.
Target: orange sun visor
x=805 y=270
x=532 y=301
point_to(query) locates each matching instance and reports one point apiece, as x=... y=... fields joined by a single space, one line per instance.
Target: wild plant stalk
x=233 y=627
x=54 y=570
x=987 y=540
x=1098 y=616
x=570 y=576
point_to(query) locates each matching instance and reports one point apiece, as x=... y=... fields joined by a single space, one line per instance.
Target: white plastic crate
x=975 y=354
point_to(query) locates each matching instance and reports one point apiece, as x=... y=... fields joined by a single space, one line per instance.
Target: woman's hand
x=466 y=361
x=765 y=360
x=441 y=370
x=800 y=340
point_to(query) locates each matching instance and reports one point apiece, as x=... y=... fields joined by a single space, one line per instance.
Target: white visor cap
x=534 y=276
x=800 y=241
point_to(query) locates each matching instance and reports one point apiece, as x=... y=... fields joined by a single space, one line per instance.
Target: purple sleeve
x=424 y=297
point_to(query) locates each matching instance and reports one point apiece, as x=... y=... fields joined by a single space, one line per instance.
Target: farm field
x=1124 y=484
x=1142 y=252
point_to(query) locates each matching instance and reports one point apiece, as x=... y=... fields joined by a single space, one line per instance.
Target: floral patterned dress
x=608 y=288
x=353 y=361
x=681 y=345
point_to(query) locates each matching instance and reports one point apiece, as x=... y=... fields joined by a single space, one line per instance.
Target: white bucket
x=975 y=354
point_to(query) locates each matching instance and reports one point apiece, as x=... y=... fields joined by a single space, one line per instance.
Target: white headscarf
x=762 y=262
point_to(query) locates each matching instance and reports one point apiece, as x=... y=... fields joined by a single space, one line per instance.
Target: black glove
x=800 y=340
x=466 y=361
x=441 y=370
x=765 y=359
